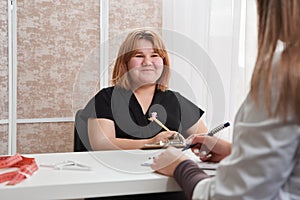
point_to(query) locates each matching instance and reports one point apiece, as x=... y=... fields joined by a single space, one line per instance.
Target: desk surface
x=113 y=173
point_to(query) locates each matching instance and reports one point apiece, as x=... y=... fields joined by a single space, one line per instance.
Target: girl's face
x=145 y=66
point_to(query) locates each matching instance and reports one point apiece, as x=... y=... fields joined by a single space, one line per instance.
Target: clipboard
x=177 y=141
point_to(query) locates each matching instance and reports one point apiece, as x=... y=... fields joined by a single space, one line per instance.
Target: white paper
x=202 y=165
x=207 y=165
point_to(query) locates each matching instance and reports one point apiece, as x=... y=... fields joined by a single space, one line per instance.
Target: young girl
x=140 y=81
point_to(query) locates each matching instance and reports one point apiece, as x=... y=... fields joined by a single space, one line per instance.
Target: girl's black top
x=121 y=106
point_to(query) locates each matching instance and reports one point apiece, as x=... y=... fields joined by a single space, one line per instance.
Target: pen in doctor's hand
x=210 y=133
x=218 y=128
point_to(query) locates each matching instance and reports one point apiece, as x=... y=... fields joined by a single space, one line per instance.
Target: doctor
x=263 y=162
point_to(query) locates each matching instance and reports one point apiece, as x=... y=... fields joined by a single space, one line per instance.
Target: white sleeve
x=204 y=190
x=261 y=161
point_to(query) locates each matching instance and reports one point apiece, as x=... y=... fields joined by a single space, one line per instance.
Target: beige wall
x=3 y=139
x=125 y=15
x=45 y=137
x=58 y=70
x=53 y=40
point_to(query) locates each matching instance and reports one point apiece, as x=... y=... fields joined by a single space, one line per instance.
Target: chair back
x=81 y=138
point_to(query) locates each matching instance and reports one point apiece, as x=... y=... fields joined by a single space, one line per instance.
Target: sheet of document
x=207 y=165
x=202 y=165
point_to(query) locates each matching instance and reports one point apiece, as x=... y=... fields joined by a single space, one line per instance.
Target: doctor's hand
x=211 y=148
x=166 y=162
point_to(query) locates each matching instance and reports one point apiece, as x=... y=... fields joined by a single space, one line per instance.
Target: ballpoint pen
x=154 y=118
x=210 y=133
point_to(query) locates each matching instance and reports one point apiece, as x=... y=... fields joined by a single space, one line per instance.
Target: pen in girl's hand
x=210 y=133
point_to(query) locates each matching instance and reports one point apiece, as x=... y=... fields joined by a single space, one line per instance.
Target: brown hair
x=278 y=19
x=128 y=49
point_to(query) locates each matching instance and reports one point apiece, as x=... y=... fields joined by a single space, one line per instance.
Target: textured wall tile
x=54 y=39
x=129 y=14
x=87 y=80
x=3 y=139
x=3 y=60
x=125 y=15
x=45 y=138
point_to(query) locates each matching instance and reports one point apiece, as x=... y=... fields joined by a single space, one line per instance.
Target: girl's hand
x=162 y=137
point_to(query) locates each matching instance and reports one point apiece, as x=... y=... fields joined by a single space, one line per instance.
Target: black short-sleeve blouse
x=121 y=106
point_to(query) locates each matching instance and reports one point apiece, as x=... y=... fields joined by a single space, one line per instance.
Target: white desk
x=113 y=173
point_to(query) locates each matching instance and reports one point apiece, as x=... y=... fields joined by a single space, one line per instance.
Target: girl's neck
x=144 y=96
x=146 y=89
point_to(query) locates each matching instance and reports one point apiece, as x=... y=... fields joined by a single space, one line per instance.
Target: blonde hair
x=278 y=19
x=128 y=50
